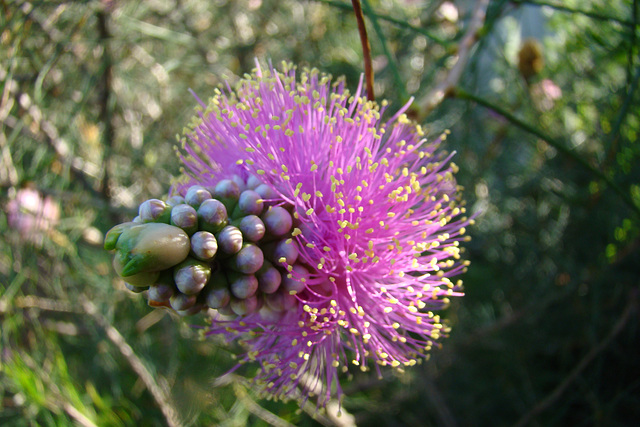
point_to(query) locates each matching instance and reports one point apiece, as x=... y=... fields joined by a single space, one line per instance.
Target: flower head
x=373 y=239
x=32 y=214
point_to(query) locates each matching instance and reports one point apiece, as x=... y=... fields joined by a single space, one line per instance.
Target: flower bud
x=194 y=309
x=151 y=247
x=230 y=240
x=228 y=193
x=269 y=278
x=280 y=301
x=297 y=282
x=243 y=285
x=218 y=297
x=268 y=314
x=249 y=203
x=180 y=301
x=277 y=220
x=195 y=195
x=185 y=217
x=154 y=210
x=252 y=228
x=161 y=292
x=242 y=185
x=191 y=276
x=135 y=289
x=204 y=245
x=114 y=234
x=266 y=192
x=285 y=252
x=242 y=307
x=253 y=182
x=174 y=201
x=143 y=279
x=248 y=260
x=212 y=216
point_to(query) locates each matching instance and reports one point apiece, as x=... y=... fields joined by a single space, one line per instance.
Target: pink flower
x=377 y=220
x=32 y=214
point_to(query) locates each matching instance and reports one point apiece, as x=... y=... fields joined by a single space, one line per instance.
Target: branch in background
x=398 y=22
x=366 y=49
x=588 y=13
x=390 y=59
x=159 y=395
x=462 y=94
x=447 y=86
x=584 y=363
x=105 y=107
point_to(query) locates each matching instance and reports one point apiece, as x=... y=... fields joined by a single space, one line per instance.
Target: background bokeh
x=543 y=105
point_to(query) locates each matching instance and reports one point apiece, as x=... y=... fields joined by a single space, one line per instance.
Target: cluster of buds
x=226 y=247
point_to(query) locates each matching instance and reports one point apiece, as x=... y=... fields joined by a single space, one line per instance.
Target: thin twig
x=159 y=395
x=401 y=23
x=582 y=365
x=105 y=99
x=368 y=10
x=257 y=410
x=590 y=14
x=447 y=86
x=462 y=94
x=366 y=49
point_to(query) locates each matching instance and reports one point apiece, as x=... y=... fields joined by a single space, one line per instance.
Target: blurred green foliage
x=94 y=92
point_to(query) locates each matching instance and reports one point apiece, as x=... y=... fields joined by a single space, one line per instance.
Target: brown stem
x=366 y=49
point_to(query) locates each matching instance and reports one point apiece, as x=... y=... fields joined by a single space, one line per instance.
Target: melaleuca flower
x=32 y=214
x=358 y=229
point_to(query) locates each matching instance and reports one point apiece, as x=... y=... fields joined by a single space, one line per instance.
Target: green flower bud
x=151 y=247
x=143 y=279
x=114 y=234
x=180 y=301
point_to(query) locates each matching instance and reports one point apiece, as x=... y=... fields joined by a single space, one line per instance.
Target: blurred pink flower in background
x=32 y=214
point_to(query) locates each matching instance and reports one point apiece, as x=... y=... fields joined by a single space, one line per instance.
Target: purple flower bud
x=174 y=201
x=161 y=292
x=227 y=192
x=280 y=301
x=191 y=276
x=204 y=245
x=196 y=194
x=269 y=278
x=253 y=182
x=212 y=216
x=218 y=297
x=266 y=192
x=154 y=210
x=268 y=314
x=250 y=203
x=252 y=228
x=248 y=260
x=185 y=217
x=239 y=182
x=180 y=301
x=285 y=252
x=242 y=307
x=297 y=282
x=277 y=220
x=217 y=292
x=230 y=239
x=243 y=285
